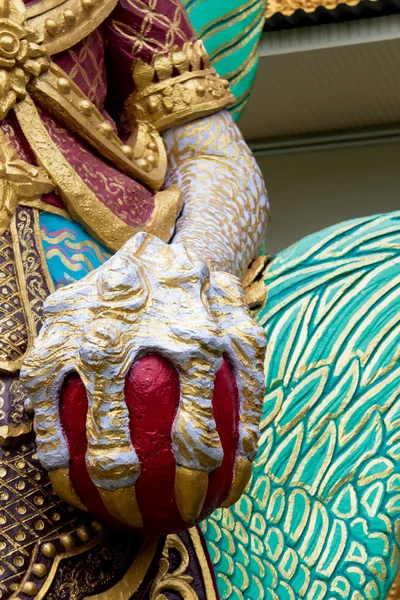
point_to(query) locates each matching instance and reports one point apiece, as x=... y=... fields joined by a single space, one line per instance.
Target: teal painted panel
x=70 y=252
x=230 y=31
x=318 y=519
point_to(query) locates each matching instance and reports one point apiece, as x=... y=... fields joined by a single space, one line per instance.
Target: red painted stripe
x=152 y=396
x=73 y=411
x=226 y=415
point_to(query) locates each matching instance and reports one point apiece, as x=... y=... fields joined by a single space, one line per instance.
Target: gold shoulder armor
x=165 y=100
x=63 y=23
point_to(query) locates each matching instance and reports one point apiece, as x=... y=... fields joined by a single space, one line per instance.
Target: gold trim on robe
x=63 y=23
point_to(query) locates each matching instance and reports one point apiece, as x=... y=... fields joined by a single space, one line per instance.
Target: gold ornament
x=18 y=180
x=66 y=101
x=190 y=492
x=21 y=58
x=288 y=7
x=20 y=304
x=39 y=570
x=164 y=101
x=64 y=26
x=177 y=580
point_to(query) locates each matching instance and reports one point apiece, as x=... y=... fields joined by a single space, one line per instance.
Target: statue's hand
x=149 y=298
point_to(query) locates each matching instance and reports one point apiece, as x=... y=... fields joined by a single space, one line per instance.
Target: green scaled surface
x=230 y=30
x=320 y=517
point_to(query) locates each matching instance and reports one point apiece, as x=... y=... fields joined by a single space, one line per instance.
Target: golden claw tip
x=123 y=506
x=62 y=486
x=190 y=492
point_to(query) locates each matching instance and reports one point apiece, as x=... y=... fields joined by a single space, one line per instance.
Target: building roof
x=337 y=77
x=284 y=14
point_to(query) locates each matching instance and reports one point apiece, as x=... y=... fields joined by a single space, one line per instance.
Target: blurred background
x=323 y=119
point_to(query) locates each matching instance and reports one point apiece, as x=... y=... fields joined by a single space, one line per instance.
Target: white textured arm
x=226 y=207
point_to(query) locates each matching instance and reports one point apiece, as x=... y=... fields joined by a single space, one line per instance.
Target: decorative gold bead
x=67 y=541
x=106 y=129
x=153 y=105
x=168 y=103
x=83 y=534
x=127 y=150
x=39 y=570
x=7 y=42
x=87 y=4
x=225 y=83
x=48 y=550
x=39 y=525
x=29 y=588
x=51 y=26
x=152 y=146
x=97 y=526
x=143 y=164
x=63 y=85
x=69 y=16
x=151 y=159
x=86 y=107
x=201 y=90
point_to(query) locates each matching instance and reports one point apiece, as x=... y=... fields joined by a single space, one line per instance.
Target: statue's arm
x=161 y=75
x=225 y=211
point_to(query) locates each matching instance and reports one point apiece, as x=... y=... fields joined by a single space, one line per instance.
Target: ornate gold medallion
x=21 y=56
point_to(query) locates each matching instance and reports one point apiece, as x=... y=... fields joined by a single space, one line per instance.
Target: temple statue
x=157 y=438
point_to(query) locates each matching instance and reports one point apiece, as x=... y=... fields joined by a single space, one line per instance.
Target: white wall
x=310 y=191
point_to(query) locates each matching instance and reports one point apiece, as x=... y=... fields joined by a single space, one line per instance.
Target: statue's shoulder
x=63 y=23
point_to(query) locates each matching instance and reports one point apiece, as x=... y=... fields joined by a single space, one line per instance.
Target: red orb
x=152 y=398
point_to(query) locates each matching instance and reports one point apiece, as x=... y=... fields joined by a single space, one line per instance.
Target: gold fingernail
x=62 y=486
x=190 y=492
x=122 y=505
x=241 y=478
